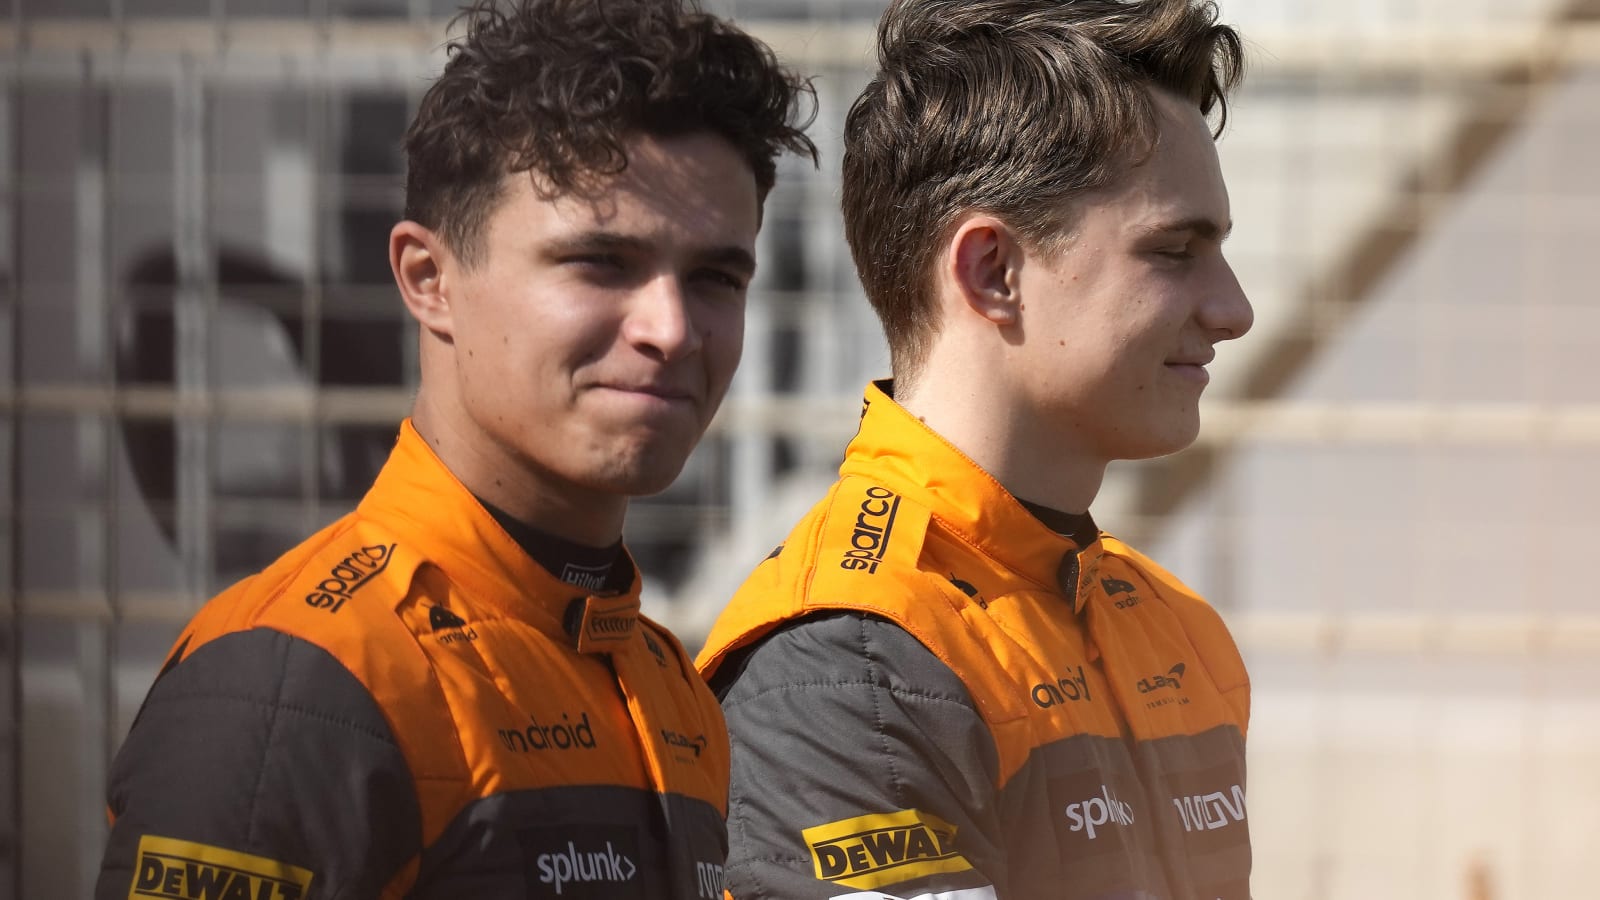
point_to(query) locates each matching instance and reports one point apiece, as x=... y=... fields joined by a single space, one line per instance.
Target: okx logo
x=888 y=848
x=1068 y=687
x=168 y=868
x=582 y=862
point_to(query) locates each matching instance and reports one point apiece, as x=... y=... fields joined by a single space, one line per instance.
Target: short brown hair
x=1010 y=107
x=557 y=87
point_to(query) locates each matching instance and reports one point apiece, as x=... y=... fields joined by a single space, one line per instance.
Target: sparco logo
x=874 y=524
x=348 y=576
x=1067 y=687
x=1173 y=679
x=1208 y=812
x=564 y=736
x=1106 y=809
x=557 y=869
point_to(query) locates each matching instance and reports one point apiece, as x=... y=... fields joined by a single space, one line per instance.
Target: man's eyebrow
x=1208 y=228
x=591 y=241
x=736 y=258
x=731 y=255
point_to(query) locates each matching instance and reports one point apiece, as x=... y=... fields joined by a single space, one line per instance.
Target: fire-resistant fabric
x=931 y=694
x=407 y=705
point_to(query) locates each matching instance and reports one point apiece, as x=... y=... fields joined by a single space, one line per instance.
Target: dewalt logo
x=872 y=851
x=169 y=869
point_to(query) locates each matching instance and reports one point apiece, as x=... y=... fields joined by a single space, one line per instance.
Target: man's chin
x=638 y=475
x=1162 y=443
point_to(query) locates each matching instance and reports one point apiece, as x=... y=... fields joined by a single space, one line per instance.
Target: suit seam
x=896 y=785
x=303 y=711
x=901 y=692
x=266 y=748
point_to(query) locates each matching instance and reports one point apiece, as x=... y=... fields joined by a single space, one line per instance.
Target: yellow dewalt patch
x=882 y=849
x=168 y=868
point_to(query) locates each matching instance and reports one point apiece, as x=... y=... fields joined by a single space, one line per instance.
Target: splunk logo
x=564 y=735
x=168 y=868
x=348 y=576
x=1208 y=812
x=1067 y=688
x=874 y=525
x=583 y=861
x=872 y=851
x=1097 y=812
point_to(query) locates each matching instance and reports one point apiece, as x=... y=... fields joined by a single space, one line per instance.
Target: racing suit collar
x=429 y=508
x=896 y=449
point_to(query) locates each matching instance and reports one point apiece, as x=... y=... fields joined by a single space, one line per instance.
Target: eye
x=1182 y=253
x=596 y=261
x=721 y=278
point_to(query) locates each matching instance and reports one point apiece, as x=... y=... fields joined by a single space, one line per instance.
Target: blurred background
x=1392 y=503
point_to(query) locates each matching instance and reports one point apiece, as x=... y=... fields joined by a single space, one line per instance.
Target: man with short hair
x=948 y=682
x=450 y=693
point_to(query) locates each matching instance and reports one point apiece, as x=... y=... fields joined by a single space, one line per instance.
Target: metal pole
x=13 y=631
x=194 y=303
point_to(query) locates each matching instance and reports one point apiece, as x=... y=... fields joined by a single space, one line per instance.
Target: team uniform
x=408 y=705
x=933 y=694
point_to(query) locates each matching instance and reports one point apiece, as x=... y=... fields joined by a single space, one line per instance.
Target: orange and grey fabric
x=931 y=694
x=407 y=705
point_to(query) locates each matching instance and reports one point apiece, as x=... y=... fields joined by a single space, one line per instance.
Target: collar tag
x=601 y=625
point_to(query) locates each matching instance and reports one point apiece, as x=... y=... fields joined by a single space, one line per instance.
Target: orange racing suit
x=407 y=705
x=932 y=694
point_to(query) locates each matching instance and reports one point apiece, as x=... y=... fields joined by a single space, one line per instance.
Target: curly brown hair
x=557 y=87
x=1010 y=107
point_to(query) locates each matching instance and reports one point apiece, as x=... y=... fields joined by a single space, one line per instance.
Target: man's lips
x=649 y=389
x=1193 y=368
x=1198 y=359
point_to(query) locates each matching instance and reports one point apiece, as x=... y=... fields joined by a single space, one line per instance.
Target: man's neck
x=604 y=570
x=514 y=484
x=1008 y=443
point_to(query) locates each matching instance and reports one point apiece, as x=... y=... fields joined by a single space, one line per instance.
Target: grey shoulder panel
x=259 y=745
x=841 y=648
x=845 y=717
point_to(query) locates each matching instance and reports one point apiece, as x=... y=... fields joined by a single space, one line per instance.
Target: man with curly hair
x=1012 y=702
x=450 y=692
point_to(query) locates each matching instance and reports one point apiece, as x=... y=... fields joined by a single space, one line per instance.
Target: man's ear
x=420 y=263
x=985 y=267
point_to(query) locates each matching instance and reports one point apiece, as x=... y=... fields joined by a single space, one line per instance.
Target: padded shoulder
x=339 y=591
x=260 y=743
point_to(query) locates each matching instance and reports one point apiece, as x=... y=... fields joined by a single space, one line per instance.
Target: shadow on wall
x=261 y=338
